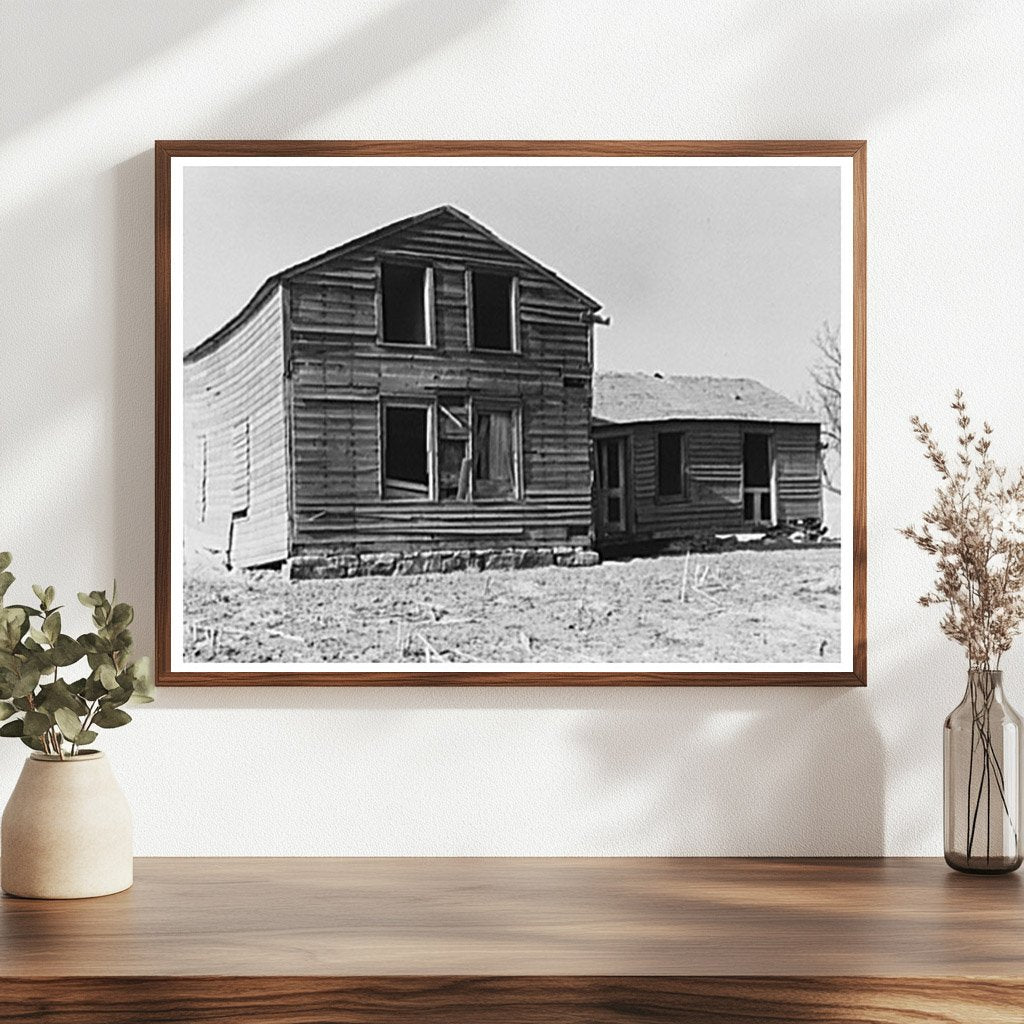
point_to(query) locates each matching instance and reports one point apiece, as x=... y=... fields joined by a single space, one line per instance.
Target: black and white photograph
x=523 y=414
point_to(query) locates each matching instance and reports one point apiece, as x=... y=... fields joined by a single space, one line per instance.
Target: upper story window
x=494 y=302
x=671 y=464
x=407 y=304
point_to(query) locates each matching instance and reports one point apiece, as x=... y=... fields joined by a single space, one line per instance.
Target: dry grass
x=738 y=606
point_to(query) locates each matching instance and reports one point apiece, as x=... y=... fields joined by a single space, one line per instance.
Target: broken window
x=671 y=465
x=494 y=454
x=494 y=312
x=406 y=451
x=453 y=455
x=406 y=304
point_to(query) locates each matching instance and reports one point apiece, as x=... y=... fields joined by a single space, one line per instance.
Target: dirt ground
x=736 y=606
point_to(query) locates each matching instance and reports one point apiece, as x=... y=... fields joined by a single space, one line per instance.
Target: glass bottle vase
x=981 y=771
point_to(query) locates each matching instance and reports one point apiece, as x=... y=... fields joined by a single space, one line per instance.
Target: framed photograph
x=493 y=413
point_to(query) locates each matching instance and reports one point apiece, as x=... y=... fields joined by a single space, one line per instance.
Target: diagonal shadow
x=394 y=40
x=79 y=36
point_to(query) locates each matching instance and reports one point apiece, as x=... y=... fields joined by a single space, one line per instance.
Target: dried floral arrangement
x=975 y=531
x=47 y=713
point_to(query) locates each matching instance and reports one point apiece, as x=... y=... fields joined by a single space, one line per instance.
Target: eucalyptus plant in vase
x=66 y=830
x=975 y=532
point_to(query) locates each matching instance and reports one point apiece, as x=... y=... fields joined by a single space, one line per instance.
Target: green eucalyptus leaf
x=94 y=689
x=6 y=710
x=51 y=626
x=36 y=723
x=31 y=741
x=27 y=681
x=115 y=698
x=66 y=651
x=89 y=600
x=13 y=626
x=16 y=727
x=50 y=595
x=94 y=644
x=107 y=676
x=9 y=663
x=59 y=695
x=68 y=722
x=29 y=611
x=5 y=559
x=22 y=703
x=6 y=579
x=40 y=592
x=122 y=616
x=110 y=717
x=38 y=636
x=86 y=736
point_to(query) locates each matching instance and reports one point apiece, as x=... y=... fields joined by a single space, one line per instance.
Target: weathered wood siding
x=340 y=373
x=798 y=470
x=235 y=435
x=714 y=469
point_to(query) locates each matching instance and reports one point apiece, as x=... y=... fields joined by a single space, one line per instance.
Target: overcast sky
x=703 y=270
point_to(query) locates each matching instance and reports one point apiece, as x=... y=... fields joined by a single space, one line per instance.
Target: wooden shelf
x=348 y=941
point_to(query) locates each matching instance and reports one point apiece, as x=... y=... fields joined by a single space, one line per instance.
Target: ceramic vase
x=66 y=832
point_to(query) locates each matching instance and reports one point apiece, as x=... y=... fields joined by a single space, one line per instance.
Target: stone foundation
x=389 y=563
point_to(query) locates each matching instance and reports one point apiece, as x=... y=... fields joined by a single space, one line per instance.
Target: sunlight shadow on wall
x=395 y=38
x=80 y=30
x=740 y=772
x=826 y=68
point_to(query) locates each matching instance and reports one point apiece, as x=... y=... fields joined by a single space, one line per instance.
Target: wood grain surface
x=512 y=1000
x=504 y=940
x=165 y=150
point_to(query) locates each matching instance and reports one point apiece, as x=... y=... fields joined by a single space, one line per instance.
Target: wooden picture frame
x=173 y=669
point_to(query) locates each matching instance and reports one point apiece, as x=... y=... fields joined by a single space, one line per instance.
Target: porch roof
x=641 y=397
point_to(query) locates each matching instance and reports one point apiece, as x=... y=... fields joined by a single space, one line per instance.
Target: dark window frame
x=515 y=319
x=769 y=433
x=684 y=467
x=429 y=306
x=402 y=402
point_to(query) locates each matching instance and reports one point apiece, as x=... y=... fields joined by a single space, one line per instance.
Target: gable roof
x=641 y=397
x=377 y=235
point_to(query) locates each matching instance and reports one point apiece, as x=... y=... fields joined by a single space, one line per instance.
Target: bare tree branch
x=826 y=373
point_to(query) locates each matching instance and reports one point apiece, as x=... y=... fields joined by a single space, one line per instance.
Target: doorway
x=758 y=479
x=611 y=485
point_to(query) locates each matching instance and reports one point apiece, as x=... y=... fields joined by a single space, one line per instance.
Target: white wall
x=937 y=90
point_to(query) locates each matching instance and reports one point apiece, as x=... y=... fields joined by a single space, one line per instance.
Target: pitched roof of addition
x=641 y=397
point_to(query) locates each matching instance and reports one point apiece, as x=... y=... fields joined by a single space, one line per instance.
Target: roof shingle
x=641 y=397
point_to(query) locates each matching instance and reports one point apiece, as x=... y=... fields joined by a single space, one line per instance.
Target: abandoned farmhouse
x=424 y=398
